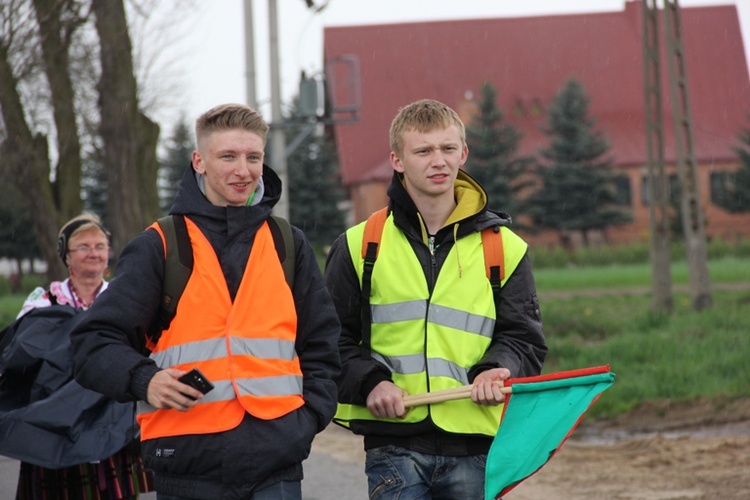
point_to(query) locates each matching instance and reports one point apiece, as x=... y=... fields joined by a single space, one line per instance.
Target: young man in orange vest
x=420 y=314
x=268 y=346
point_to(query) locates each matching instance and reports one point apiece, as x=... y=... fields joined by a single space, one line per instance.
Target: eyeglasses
x=86 y=248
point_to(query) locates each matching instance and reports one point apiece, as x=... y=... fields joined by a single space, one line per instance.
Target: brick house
x=528 y=60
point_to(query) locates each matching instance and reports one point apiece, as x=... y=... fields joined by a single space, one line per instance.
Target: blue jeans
x=394 y=472
x=284 y=490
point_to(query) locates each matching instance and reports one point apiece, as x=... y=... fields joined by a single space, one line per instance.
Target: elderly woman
x=73 y=443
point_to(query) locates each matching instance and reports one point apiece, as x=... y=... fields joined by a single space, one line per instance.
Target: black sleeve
x=109 y=340
x=518 y=342
x=318 y=332
x=358 y=376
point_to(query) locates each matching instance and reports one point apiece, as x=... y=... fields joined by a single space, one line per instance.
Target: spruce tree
x=492 y=160
x=577 y=191
x=179 y=149
x=315 y=192
x=736 y=195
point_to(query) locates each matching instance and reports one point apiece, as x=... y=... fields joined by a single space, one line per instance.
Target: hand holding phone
x=195 y=379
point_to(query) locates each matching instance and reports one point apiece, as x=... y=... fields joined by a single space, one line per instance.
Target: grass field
x=677 y=357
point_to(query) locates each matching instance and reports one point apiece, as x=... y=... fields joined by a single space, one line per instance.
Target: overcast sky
x=208 y=65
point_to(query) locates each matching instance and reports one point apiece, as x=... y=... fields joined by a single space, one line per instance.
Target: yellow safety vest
x=430 y=341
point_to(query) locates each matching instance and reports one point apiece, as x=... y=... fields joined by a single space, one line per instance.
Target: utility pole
x=250 y=56
x=692 y=215
x=661 y=276
x=277 y=140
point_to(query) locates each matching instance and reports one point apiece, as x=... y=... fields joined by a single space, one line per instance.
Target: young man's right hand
x=165 y=391
x=387 y=400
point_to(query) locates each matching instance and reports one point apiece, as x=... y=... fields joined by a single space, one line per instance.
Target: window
x=720 y=187
x=623 y=195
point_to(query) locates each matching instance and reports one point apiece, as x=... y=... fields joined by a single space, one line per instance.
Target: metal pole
x=277 y=141
x=250 y=55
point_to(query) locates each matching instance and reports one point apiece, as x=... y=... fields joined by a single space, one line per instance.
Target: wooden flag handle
x=444 y=395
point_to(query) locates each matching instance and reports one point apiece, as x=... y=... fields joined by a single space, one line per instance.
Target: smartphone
x=195 y=379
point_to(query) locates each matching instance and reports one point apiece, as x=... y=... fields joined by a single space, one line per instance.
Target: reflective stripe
x=461 y=320
x=222 y=391
x=271 y=386
x=399 y=311
x=191 y=352
x=437 y=367
x=264 y=348
x=204 y=350
x=440 y=315
x=402 y=364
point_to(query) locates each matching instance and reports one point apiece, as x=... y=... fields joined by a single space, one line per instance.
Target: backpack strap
x=370 y=247
x=283 y=240
x=494 y=257
x=178 y=266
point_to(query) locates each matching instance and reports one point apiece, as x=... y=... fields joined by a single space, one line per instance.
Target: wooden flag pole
x=426 y=398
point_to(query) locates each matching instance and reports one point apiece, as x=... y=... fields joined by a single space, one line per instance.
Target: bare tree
x=130 y=137
x=44 y=97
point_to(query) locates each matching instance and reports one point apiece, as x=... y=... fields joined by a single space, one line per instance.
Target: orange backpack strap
x=373 y=233
x=371 y=237
x=494 y=258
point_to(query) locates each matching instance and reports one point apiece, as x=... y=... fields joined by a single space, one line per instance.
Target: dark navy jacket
x=46 y=417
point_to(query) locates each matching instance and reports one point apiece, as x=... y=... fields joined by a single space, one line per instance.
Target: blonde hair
x=228 y=117
x=82 y=223
x=423 y=116
x=79 y=224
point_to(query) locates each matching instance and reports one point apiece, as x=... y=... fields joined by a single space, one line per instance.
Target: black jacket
x=111 y=358
x=518 y=343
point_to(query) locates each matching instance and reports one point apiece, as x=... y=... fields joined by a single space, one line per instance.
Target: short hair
x=229 y=117
x=423 y=116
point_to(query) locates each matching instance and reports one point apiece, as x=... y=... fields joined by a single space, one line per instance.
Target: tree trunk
x=129 y=136
x=55 y=42
x=25 y=156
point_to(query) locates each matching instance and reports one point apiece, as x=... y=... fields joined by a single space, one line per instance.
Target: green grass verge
x=9 y=307
x=723 y=270
x=677 y=357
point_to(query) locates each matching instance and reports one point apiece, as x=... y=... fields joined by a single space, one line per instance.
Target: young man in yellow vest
x=430 y=321
x=268 y=346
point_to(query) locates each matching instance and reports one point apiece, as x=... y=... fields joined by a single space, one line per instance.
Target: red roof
x=528 y=60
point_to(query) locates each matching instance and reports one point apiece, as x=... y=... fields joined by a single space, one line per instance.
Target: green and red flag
x=540 y=414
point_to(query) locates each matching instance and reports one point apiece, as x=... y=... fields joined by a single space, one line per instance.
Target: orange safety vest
x=246 y=347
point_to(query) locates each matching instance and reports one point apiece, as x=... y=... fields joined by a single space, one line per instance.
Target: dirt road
x=663 y=452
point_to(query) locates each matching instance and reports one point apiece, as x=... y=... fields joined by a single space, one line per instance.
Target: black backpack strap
x=284 y=243
x=178 y=266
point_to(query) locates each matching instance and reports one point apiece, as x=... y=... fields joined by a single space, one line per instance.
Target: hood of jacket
x=471 y=213
x=192 y=202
